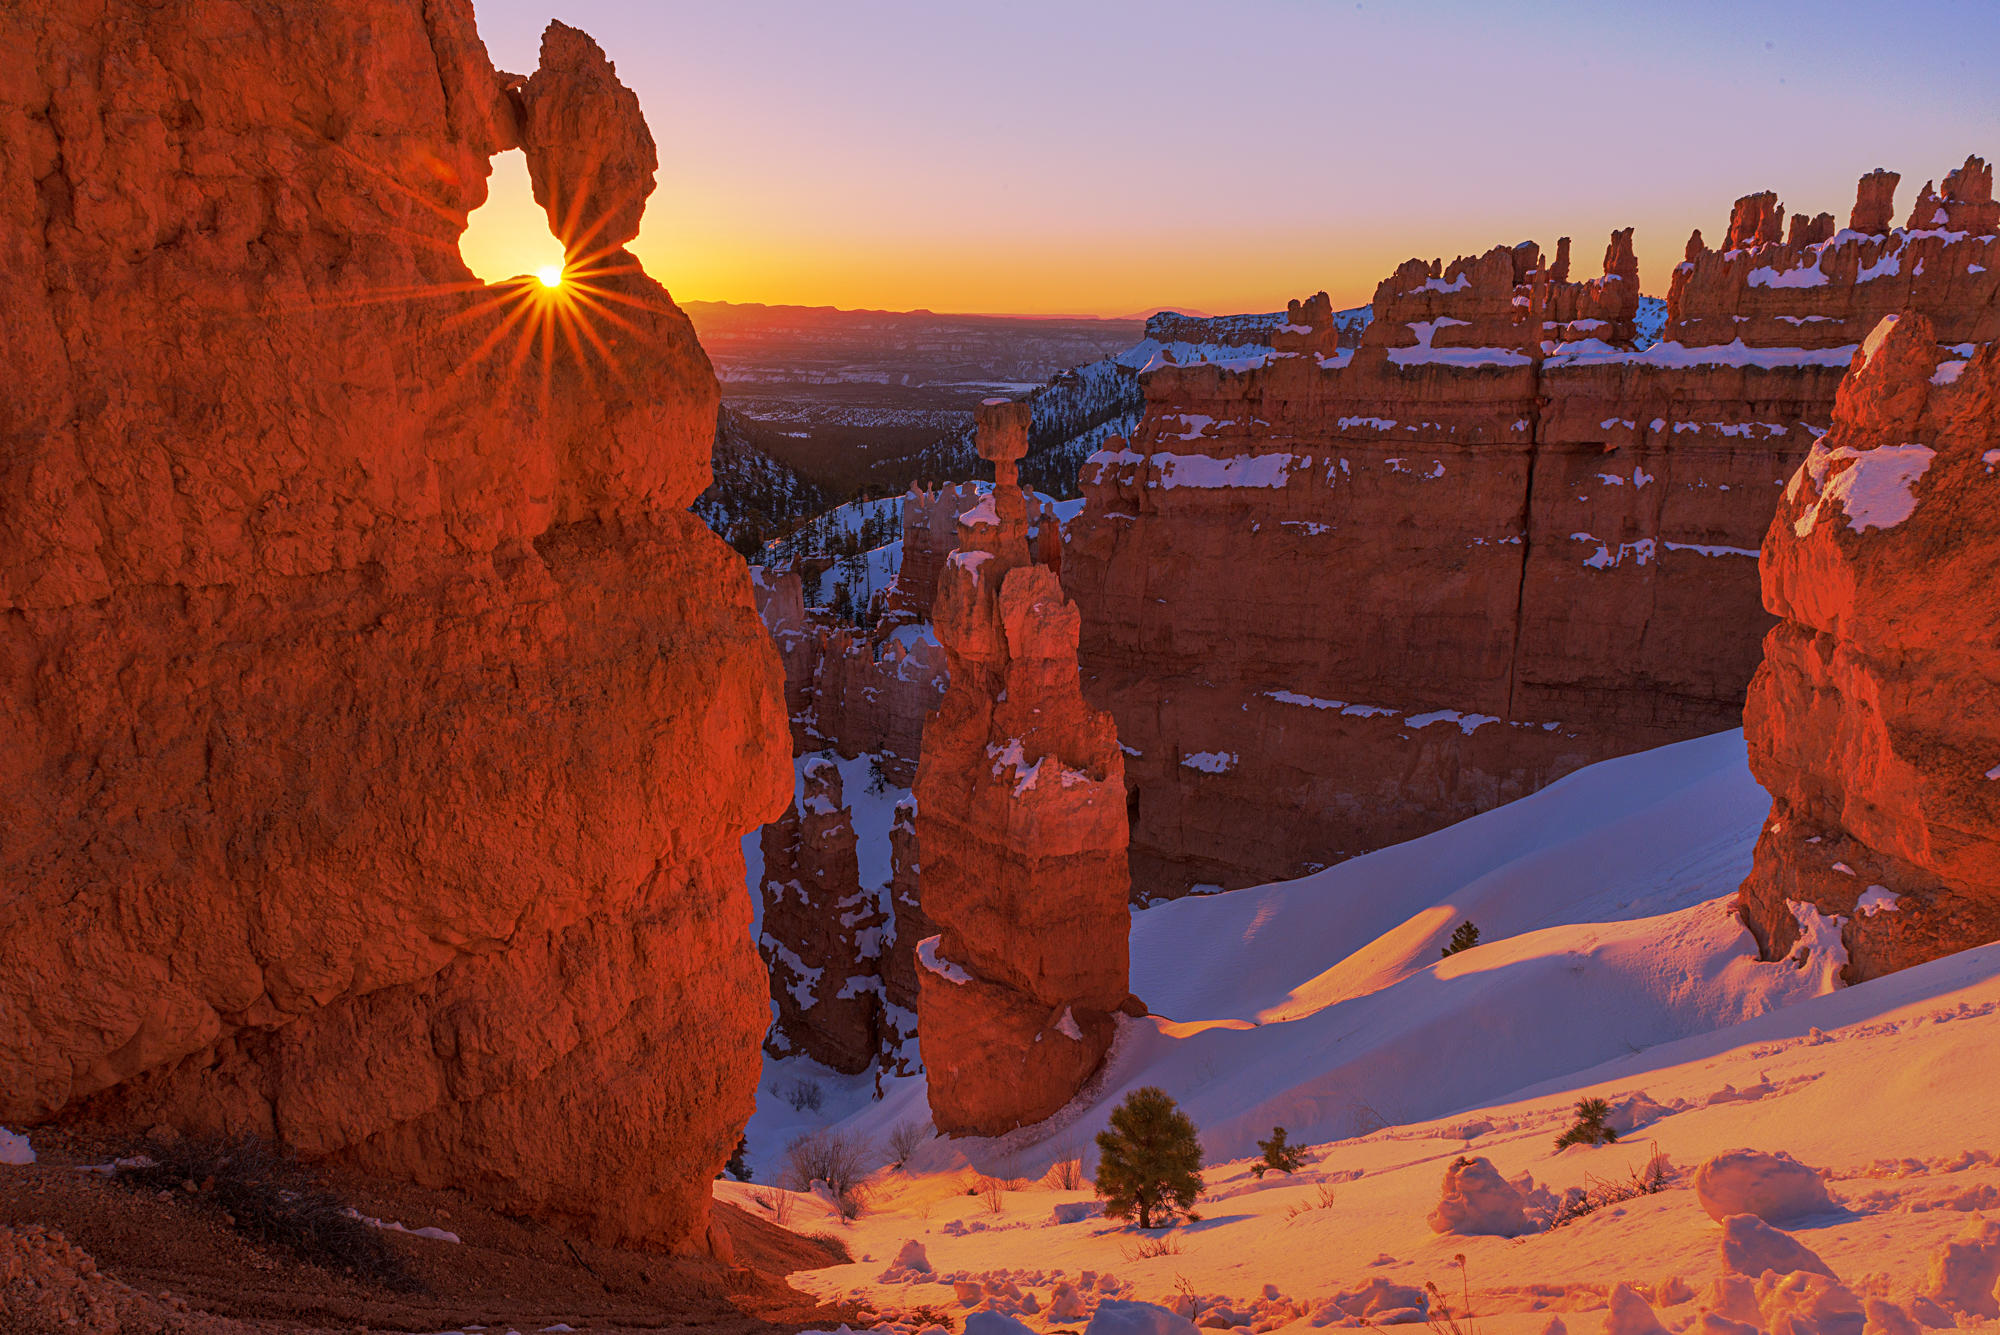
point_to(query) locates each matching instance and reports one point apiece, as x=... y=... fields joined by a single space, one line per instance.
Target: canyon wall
x=1337 y=597
x=821 y=930
x=382 y=726
x=1020 y=816
x=1874 y=720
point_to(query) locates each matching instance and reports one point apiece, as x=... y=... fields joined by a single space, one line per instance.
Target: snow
x=1210 y=762
x=928 y=957
x=1736 y=353
x=1876 y=899
x=1776 y=1188
x=1611 y=965
x=1751 y=1247
x=15 y=1149
x=1708 y=549
x=1875 y=490
x=394 y=1226
x=1467 y=723
x=1805 y=276
x=1207 y=471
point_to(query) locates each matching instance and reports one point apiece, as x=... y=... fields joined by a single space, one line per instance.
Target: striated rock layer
x=1337 y=597
x=1021 y=821
x=382 y=727
x=1874 y=720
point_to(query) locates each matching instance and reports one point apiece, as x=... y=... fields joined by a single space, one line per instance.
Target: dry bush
x=1066 y=1173
x=1188 y=1297
x=1325 y=1200
x=835 y=1244
x=804 y=1095
x=834 y=1157
x=993 y=1191
x=1166 y=1244
x=778 y=1201
x=1658 y=1174
x=268 y=1196
x=904 y=1140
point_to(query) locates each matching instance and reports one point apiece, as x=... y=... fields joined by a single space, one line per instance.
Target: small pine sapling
x=1280 y=1156
x=1149 y=1162
x=1464 y=938
x=1589 y=1127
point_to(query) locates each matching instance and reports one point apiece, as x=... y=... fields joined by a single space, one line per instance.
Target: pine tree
x=1149 y=1162
x=1280 y=1156
x=738 y=1166
x=1465 y=938
x=1589 y=1127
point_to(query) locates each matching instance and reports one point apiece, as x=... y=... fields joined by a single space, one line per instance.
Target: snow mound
x=995 y=1323
x=1965 y=1271
x=1629 y=1314
x=1478 y=1202
x=1115 y=1316
x=1776 y=1188
x=911 y=1266
x=1752 y=1247
x=15 y=1149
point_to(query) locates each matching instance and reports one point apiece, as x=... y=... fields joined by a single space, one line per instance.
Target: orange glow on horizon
x=702 y=249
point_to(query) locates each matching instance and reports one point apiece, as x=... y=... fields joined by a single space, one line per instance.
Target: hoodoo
x=381 y=727
x=1021 y=822
x=1875 y=718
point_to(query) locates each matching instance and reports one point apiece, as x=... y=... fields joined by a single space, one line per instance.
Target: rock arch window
x=508 y=236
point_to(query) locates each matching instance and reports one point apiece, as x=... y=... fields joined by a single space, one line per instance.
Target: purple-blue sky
x=1112 y=156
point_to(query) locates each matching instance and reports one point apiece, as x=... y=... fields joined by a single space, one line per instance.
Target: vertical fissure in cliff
x=1527 y=552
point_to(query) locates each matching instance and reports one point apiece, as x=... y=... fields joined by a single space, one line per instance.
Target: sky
x=1113 y=157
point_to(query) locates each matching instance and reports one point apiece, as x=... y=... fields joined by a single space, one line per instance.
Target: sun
x=550 y=274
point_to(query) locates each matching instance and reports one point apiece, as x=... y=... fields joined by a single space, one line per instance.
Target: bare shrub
x=905 y=1139
x=1325 y=1200
x=834 y=1157
x=1658 y=1174
x=993 y=1191
x=804 y=1095
x=1066 y=1173
x=1165 y=1244
x=835 y=1244
x=1189 y=1298
x=778 y=1201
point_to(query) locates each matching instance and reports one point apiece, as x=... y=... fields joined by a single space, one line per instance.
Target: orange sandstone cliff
x=1020 y=818
x=381 y=727
x=1875 y=718
x=1337 y=597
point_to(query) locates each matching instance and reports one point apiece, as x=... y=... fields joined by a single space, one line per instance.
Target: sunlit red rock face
x=1347 y=596
x=381 y=727
x=1875 y=718
x=1021 y=823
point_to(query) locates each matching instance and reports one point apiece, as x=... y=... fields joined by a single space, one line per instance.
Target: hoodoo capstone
x=381 y=727
x=1021 y=821
x=1875 y=718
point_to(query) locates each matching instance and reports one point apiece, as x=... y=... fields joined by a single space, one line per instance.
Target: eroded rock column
x=1875 y=718
x=381 y=727
x=1021 y=820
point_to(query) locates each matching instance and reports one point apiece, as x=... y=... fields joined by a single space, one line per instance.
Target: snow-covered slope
x=1611 y=963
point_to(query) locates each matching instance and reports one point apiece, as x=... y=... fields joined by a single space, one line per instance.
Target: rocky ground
x=80 y=1251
